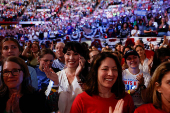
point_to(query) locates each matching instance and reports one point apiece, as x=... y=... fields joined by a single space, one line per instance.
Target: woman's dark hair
x=74 y=46
x=92 y=79
x=46 y=51
x=127 y=25
x=26 y=87
x=137 y=27
x=125 y=48
x=158 y=56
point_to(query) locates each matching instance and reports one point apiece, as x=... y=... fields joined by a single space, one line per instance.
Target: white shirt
x=144 y=67
x=68 y=92
x=134 y=31
x=130 y=81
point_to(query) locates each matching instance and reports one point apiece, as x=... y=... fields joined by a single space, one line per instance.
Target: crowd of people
x=77 y=77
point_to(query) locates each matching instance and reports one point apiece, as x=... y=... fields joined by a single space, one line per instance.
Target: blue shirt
x=42 y=78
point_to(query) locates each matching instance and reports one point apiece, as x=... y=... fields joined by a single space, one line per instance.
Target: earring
x=159 y=91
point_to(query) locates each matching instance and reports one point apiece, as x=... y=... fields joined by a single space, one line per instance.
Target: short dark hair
x=92 y=83
x=74 y=46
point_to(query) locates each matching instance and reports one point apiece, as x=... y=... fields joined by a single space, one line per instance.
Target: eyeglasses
x=14 y=72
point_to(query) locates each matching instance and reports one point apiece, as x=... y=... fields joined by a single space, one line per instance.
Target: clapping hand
x=140 y=79
x=118 y=107
x=13 y=104
x=80 y=66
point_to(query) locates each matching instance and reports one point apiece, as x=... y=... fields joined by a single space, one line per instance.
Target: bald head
x=139 y=42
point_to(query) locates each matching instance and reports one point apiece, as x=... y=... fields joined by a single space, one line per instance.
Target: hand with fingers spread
x=140 y=79
x=51 y=74
x=118 y=107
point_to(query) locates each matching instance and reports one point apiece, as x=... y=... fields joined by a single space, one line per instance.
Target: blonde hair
x=153 y=96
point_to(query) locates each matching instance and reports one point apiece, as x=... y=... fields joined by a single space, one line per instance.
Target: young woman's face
x=107 y=73
x=132 y=61
x=34 y=48
x=10 y=48
x=71 y=59
x=140 y=51
x=164 y=88
x=118 y=48
x=12 y=80
x=46 y=60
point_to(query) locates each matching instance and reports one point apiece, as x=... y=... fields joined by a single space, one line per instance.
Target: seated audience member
x=149 y=54
x=32 y=57
x=45 y=58
x=163 y=28
x=16 y=93
x=161 y=55
x=69 y=78
x=111 y=33
x=135 y=32
x=60 y=61
x=150 y=30
x=135 y=79
x=11 y=47
x=157 y=94
x=124 y=32
x=104 y=87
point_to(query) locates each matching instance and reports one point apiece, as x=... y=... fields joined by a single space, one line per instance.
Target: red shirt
x=149 y=53
x=84 y=103
x=148 y=108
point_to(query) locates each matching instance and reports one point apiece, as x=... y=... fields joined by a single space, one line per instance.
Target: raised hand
x=51 y=74
x=118 y=107
x=140 y=79
x=150 y=61
x=80 y=66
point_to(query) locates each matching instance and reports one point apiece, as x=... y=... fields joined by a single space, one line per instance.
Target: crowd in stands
x=74 y=77
x=12 y=10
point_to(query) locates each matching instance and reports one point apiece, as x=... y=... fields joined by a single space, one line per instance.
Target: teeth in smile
x=109 y=79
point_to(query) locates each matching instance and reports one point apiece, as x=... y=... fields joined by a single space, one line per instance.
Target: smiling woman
x=16 y=93
x=67 y=80
x=104 y=87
